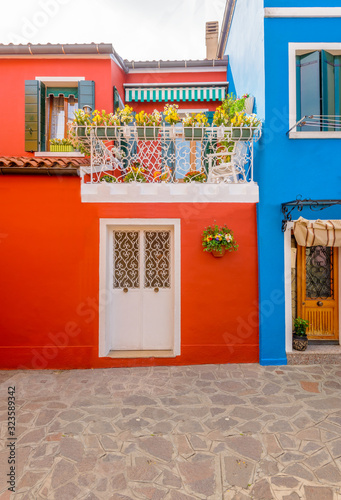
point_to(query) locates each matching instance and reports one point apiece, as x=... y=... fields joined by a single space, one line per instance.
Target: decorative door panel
x=142 y=305
x=126 y=300
x=158 y=296
x=317 y=291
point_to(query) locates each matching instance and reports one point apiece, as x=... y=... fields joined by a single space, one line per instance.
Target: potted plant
x=195 y=176
x=172 y=117
x=135 y=173
x=244 y=125
x=148 y=125
x=61 y=145
x=108 y=178
x=217 y=240
x=299 y=338
x=126 y=116
x=105 y=124
x=81 y=124
x=194 y=126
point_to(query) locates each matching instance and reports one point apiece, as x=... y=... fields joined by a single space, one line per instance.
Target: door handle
x=125 y=290
x=156 y=290
x=320 y=303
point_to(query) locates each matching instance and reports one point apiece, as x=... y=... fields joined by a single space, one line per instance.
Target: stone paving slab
x=216 y=432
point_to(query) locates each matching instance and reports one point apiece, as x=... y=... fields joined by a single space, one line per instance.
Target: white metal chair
x=232 y=171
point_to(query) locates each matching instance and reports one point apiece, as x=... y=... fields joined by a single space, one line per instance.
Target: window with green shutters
x=37 y=96
x=318 y=89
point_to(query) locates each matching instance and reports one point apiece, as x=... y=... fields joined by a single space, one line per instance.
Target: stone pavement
x=217 y=432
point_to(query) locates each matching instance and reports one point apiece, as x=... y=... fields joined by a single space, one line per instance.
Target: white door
x=142 y=302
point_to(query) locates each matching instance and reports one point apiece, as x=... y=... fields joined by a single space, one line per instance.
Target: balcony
x=168 y=163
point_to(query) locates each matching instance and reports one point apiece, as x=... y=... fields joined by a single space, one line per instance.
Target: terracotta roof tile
x=42 y=164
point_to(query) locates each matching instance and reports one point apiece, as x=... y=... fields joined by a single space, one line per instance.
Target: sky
x=138 y=29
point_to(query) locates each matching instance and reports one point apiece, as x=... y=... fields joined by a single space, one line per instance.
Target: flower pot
x=105 y=132
x=194 y=133
x=242 y=133
x=61 y=149
x=147 y=133
x=82 y=131
x=216 y=253
x=299 y=343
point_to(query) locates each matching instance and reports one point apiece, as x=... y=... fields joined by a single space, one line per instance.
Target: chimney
x=212 y=33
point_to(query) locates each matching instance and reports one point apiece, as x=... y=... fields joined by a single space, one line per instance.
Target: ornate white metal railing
x=168 y=153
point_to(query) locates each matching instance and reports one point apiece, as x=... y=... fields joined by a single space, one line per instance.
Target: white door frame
x=105 y=226
x=288 y=288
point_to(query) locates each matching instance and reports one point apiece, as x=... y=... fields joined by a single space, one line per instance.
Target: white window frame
x=296 y=49
x=66 y=81
x=105 y=226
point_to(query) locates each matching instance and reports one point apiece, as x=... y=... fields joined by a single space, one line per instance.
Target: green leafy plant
x=195 y=176
x=300 y=327
x=101 y=118
x=60 y=142
x=108 y=178
x=126 y=115
x=218 y=238
x=195 y=120
x=135 y=173
x=230 y=107
x=148 y=119
x=171 y=114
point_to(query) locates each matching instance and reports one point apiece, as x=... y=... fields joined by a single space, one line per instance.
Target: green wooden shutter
x=308 y=91
x=42 y=117
x=32 y=115
x=86 y=94
x=328 y=85
x=118 y=104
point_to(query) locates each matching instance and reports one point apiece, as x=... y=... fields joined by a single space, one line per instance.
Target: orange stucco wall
x=49 y=254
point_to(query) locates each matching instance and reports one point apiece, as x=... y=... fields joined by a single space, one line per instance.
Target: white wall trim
x=199 y=69
x=61 y=79
x=192 y=192
x=288 y=287
x=308 y=12
x=59 y=154
x=104 y=227
x=296 y=49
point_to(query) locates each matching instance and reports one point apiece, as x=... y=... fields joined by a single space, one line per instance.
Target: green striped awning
x=175 y=94
x=62 y=91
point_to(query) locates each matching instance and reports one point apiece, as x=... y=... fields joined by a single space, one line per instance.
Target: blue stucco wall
x=245 y=50
x=288 y=167
x=284 y=168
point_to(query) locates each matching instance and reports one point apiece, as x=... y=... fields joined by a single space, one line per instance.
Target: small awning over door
x=313 y=233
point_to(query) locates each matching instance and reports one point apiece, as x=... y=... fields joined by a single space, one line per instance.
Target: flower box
x=194 y=133
x=242 y=133
x=61 y=149
x=147 y=133
x=111 y=132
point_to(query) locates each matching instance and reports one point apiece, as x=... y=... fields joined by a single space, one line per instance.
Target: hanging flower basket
x=216 y=240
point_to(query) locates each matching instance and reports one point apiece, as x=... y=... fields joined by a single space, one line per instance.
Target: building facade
x=289 y=59
x=97 y=274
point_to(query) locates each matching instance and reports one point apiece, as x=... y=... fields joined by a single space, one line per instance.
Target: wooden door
x=317 y=291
